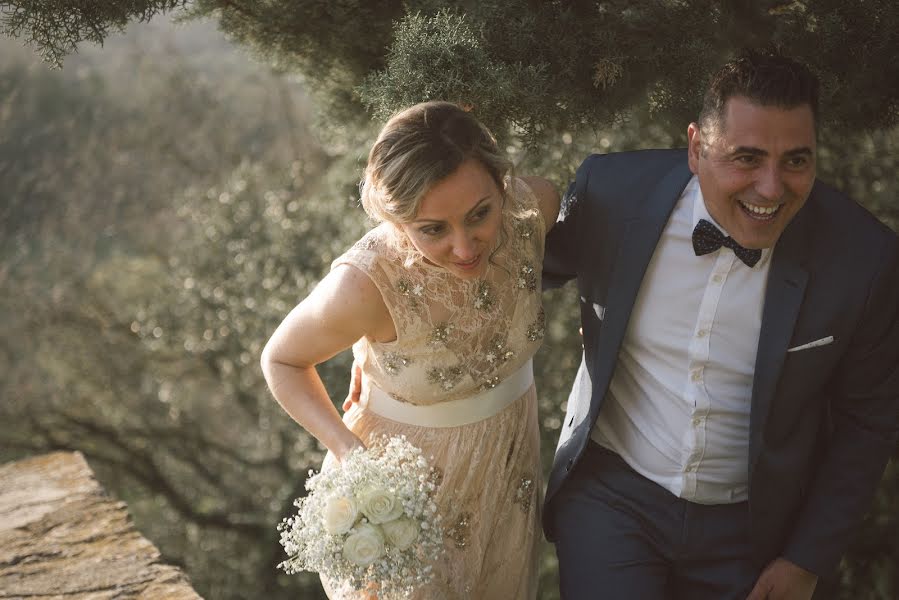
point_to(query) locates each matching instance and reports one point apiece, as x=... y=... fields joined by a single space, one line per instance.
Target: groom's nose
x=769 y=184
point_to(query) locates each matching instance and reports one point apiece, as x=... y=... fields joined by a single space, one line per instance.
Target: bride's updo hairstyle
x=419 y=147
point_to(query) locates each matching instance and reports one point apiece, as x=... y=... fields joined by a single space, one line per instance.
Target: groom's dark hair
x=764 y=78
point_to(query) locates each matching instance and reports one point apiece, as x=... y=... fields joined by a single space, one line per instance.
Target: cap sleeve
x=375 y=256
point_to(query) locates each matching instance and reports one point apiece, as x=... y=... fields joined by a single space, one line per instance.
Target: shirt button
x=702 y=333
x=718 y=278
x=696 y=375
x=697 y=420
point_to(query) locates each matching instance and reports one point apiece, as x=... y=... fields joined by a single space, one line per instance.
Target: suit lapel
x=783 y=299
x=639 y=237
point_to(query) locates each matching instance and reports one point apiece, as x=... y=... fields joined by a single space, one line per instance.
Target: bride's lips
x=468 y=266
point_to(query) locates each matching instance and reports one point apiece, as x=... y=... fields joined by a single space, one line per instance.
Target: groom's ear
x=694 y=147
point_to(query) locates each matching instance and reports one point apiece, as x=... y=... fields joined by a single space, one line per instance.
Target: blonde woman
x=441 y=304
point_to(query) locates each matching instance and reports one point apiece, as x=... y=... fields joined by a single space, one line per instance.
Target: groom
x=737 y=399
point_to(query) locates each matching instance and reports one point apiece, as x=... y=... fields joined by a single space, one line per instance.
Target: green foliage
x=291 y=33
x=332 y=43
x=114 y=202
x=865 y=167
x=254 y=245
x=57 y=27
x=868 y=572
x=448 y=44
x=557 y=66
x=536 y=66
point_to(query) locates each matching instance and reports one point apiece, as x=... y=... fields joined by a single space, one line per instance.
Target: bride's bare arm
x=345 y=306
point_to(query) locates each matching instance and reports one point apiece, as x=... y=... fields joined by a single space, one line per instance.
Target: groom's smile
x=758 y=212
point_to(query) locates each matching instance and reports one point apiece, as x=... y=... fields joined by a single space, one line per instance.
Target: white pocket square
x=599 y=309
x=822 y=342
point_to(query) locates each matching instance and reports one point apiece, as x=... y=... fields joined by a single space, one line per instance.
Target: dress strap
x=452 y=413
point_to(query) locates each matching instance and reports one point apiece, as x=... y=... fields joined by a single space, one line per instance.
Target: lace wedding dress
x=457 y=340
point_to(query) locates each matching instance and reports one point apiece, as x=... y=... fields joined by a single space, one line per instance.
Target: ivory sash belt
x=453 y=413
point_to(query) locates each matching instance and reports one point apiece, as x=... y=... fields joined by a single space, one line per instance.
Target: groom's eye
x=798 y=162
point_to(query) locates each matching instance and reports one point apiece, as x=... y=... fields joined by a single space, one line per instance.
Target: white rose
x=379 y=505
x=364 y=545
x=339 y=514
x=401 y=533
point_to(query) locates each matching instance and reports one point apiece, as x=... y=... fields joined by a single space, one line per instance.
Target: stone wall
x=62 y=536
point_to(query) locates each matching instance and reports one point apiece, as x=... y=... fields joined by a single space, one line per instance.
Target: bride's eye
x=431 y=230
x=481 y=214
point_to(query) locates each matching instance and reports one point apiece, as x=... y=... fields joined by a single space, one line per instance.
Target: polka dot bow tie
x=707 y=238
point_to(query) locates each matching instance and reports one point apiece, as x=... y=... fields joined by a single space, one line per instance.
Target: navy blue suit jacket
x=824 y=421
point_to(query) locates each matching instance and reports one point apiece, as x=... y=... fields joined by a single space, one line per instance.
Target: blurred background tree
x=165 y=202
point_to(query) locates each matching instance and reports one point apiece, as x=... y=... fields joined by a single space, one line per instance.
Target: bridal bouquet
x=369 y=521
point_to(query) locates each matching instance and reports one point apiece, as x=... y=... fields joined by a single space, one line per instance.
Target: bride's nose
x=464 y=247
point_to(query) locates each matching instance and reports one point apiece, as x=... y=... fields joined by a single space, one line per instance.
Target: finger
x=356 y=382
x=348 y=402
x=759 y=591
x=355 y=391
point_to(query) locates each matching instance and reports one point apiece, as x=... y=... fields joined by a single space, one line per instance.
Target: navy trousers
x=620 y=535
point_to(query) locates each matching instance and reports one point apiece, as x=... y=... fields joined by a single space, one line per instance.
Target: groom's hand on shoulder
x=784 y=580
x=548 y=198
x=355 y=391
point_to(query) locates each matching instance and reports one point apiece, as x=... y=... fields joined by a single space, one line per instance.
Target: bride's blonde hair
x=419 y=147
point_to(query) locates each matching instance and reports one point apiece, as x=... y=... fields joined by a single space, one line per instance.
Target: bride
x=441 y=304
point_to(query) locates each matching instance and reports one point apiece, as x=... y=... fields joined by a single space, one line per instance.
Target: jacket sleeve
x=560 y=260
x=865 y=419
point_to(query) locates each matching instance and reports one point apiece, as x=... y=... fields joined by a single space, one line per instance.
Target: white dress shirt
x=677 y=409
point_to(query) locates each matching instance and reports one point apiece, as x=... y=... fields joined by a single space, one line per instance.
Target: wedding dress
x=457 y=382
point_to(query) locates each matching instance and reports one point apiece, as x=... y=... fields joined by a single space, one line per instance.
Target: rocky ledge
x=62 y=536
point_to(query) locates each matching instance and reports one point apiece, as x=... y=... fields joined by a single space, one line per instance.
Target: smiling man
x=737 y=399
x=756 y=167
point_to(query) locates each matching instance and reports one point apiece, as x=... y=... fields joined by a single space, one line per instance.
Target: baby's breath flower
x=370 y=521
